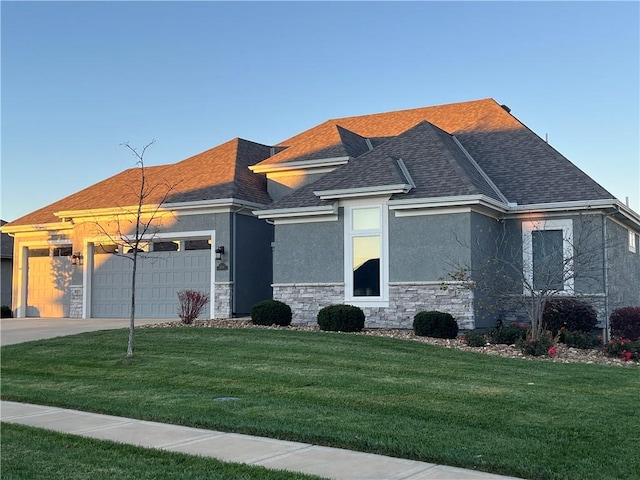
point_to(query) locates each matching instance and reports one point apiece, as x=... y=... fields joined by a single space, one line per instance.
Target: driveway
x=18 y=330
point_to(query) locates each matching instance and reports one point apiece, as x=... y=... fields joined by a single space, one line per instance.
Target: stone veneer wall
x=223 y=300
x=75 y=301
x=405 y=300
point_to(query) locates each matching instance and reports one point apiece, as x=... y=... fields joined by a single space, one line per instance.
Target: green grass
x=537 y=420
x=34 y=454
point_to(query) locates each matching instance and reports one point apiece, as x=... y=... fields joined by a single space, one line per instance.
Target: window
x=197 y=245
x=106 y=249
x=547 y=255
x=633 y=243
x=171 y=246
x=365 y=266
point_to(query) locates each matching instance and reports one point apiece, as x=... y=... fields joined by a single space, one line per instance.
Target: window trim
x=566 y=226
x=633 y=247
x=349 y=234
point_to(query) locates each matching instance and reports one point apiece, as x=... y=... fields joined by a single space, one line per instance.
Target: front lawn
x=523 y=418
x=36 y=454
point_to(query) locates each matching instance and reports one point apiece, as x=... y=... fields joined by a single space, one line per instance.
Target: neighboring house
x=65 y=263
x=455 y=207
x=459 y=208
x=6 y=273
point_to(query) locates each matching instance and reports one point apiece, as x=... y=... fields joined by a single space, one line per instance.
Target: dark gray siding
x=623 y=268
x=427 y=248
x=253 y=262
x=309 y=252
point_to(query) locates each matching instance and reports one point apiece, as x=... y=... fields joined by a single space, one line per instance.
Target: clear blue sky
x=79 y=78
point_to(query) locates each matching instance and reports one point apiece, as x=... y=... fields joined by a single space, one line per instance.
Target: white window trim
x=567 y=246
x=383 y=231
x=632 y=242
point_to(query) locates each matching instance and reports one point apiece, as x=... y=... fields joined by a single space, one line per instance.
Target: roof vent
x=506 y=108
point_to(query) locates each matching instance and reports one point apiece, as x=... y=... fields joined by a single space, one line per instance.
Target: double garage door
x=160 y=276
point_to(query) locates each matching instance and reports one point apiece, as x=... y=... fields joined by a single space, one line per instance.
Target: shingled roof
x=219 y=173
x=436 y=165
x=524 y=167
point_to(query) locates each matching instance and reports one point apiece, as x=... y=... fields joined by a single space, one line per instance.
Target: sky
x=80 y=78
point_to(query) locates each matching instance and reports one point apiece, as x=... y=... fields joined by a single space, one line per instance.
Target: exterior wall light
x=77 y=258
x=219 y=252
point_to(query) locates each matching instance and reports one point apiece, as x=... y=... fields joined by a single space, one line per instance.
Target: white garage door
x=160 y=275
x=48 y=279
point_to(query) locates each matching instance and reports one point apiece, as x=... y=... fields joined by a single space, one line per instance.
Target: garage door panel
x=48 y=280
x=159 y=277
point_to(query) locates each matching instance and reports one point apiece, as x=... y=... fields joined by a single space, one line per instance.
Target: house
x=457 y=207
x=6 y=272
x=72 y=257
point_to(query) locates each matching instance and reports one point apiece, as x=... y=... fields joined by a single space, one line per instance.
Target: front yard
x=538 y=420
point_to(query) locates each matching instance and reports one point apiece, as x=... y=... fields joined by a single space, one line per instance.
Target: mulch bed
x=564 y=354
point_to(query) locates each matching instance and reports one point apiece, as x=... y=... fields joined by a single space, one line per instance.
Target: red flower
x=552 y=351
x=626 y=356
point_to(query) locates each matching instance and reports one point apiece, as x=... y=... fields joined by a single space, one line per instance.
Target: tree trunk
x=132 y=318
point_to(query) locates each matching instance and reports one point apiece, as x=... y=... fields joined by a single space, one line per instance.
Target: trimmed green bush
x=475 y=338
x=435 y=324
x=271 y=312
x=625 y=323
x=5 y=312
x=572 y=314
x=341 y=318
x=580 y=340
x=507 y=334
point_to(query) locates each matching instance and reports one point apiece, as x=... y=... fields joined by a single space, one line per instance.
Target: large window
x=365 y=267
x=547 y=255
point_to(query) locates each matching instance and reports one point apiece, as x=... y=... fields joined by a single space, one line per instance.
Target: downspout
x=233 y=262
x=605 y=267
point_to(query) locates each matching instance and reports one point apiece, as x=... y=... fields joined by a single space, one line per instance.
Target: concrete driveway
x=18 y=330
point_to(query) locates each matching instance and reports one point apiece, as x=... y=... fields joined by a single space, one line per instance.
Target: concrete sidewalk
x=326 y=462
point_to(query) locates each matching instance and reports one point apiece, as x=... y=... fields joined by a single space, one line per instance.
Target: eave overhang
x=300 y=165
x=363 y=191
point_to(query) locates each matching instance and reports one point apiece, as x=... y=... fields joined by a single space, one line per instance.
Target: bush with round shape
x=435 y=324
x=475 y=338
x=271 y=312
x=625 y=323
x=341 y=318
x=507 y=334
x=572 y=314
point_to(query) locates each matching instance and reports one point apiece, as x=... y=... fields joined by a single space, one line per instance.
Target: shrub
x=270 y=312
x=5 y=312
x=579 y=340
x=572 y=314
x=435 y=324
x=191 y=304
x=475 y=338
x=625 y=323
x=507 y=335
x=341 y=318
x=536 y=348
x=623 y=348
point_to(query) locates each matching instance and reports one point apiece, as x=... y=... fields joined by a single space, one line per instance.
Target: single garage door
x=160 y=275
x=48 y=279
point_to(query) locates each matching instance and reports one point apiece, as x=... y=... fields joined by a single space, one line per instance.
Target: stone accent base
x=306 y=299
x=223 y=300
x=405 y=300
x=75 y=301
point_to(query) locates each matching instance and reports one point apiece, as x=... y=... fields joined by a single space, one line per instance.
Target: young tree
x=526 y=264
x=133 y=227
